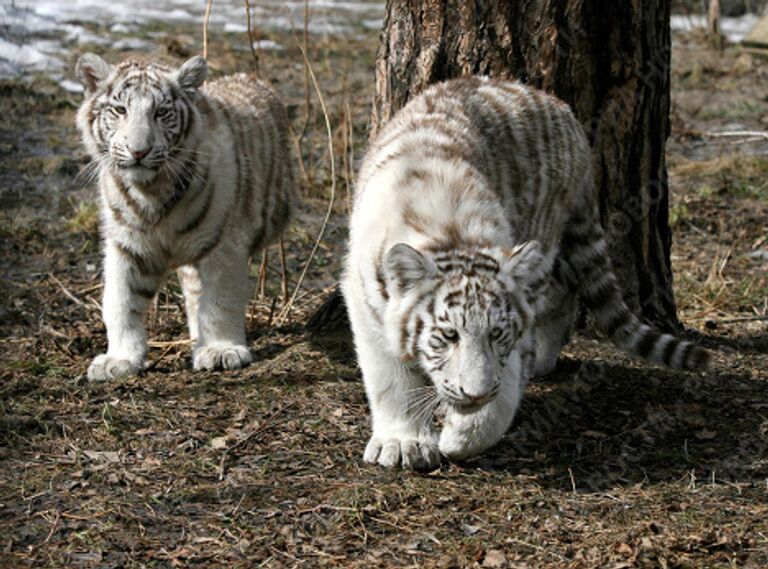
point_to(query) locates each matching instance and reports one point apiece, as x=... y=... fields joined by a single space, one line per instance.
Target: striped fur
x=474 y=232
x=194 y=178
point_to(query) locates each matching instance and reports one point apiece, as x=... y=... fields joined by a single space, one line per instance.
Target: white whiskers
x=422 y=403
x=90 y=172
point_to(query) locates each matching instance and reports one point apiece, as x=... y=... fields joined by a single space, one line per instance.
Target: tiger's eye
x=119 y=109
x=162 y=112
x=450 y=334
x=495 y=333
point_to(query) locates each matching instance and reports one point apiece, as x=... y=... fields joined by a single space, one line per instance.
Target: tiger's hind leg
x=219 y=304
x=555 y=322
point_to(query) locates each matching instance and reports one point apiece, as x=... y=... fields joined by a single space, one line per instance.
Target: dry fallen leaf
x=495 y=558
x=102 y=456
x=706 y=435
x=624 y=549
x=240 y=417
x=220 y=443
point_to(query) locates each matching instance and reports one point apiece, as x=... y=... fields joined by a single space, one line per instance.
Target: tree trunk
x=608 y=59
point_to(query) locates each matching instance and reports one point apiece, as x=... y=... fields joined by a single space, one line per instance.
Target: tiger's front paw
x=211 y=358
x=466 y=435
x=411 y=454
x=105 y=367
x=457 y=445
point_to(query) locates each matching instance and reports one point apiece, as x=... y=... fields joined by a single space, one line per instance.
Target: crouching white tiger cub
x=191 y=177
x=474 y=231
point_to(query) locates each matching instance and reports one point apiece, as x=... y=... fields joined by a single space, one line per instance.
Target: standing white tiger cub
x=474 y=232
x=192 y=177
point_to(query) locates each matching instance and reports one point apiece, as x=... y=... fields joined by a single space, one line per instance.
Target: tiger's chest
x=174 y=231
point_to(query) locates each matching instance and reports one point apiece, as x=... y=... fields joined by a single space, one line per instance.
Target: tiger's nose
x=475 y=397
x=138 y=154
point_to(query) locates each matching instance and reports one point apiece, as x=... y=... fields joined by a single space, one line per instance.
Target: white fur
x=404 y=435
x=215 y=284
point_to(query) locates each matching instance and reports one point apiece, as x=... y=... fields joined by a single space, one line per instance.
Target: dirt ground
x=611 y=462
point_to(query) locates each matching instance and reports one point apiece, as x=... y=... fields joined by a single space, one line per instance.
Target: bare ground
x=611 y=462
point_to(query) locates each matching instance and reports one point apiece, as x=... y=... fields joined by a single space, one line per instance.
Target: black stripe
x=647 y=342
x=617 y=322
x=132 y=203
x=143 y=292
x=699 y=360
x=669 y=351
x=145 y=266
x=687 y=348
x=605 y=295
x=193 y=223
x=419 y=326
x=379 y=269
x=209 y=246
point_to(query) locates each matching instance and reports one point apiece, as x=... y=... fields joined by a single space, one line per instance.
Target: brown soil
x=611 y=462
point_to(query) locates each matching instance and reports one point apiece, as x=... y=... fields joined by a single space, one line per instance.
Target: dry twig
x=329 y=131
x=250 y=35
x=208 y=6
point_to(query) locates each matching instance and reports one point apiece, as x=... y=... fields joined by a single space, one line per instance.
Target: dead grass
x=611 y=462
x=731 y=175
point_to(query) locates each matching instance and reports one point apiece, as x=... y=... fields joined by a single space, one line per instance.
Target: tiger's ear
x=91 y=71
x=523 y=262
x=192 y=74
x=406 y=266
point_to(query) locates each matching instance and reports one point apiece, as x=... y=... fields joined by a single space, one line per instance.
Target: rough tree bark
x=608 y=59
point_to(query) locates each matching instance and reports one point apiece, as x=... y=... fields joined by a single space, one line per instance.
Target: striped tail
x=584 y=249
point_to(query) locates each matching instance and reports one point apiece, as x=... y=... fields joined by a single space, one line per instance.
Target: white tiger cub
x=191 y=177
x=475 y=229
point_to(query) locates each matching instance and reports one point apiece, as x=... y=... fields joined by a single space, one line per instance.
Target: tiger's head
x=136 y=113
x=463 y=315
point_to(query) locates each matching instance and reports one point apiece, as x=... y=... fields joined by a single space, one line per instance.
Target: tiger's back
x=526 y=146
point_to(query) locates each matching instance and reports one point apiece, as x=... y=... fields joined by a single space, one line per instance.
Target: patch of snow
x=735 y=29
x=122 y=29
x=267 y=45
x=71 y=86
x=37 y=34
x=133 y=44
x=19 y=57
x=235 y=28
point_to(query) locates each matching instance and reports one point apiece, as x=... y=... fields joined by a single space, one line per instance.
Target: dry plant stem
x=350 y=158
x=346 y=132
x=171 y=343
x=283 y=272
x=153 y=313
x=262 y=285
x=329 y=132
x=345 y=159
x=155 y=363
x=713 y=19
x=309 y=179
x=250 y=36
x=66 y=291
x=739 y=134
x=208 y=6
x=297 y=143
x=744 y=319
